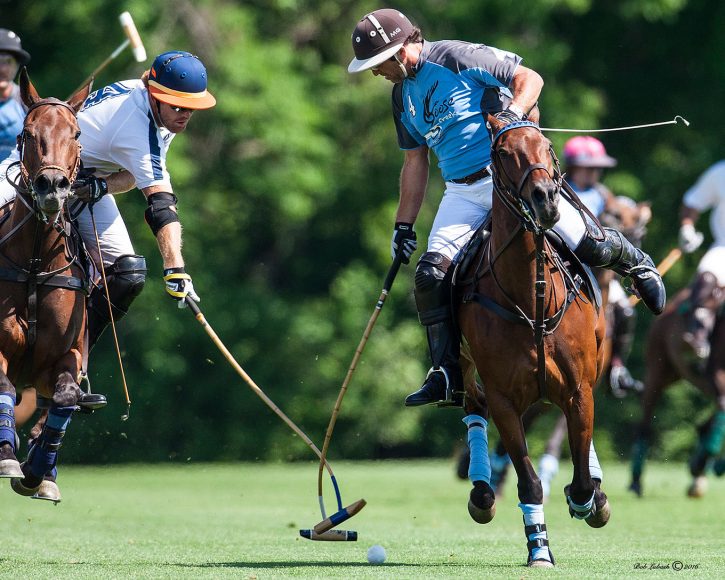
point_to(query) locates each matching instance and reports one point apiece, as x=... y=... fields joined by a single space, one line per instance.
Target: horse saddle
x=472 y=264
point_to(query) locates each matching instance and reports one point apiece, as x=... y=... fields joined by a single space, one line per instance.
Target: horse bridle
x=511 y=197
x=48 y=102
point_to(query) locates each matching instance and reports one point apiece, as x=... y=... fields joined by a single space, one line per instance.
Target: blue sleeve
x=408 y=137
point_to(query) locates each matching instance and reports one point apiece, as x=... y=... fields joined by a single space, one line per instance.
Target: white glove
x=690 y=238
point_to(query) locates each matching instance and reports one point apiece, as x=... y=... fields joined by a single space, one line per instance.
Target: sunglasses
x=7 y=59
x=181 y=109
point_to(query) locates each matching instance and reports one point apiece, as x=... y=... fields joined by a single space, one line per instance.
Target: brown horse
x=669 y=359
x=631 y=219
x=42 y=283
x=536 y=336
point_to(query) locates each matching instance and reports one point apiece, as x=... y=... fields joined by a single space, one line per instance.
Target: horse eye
x=78 y=135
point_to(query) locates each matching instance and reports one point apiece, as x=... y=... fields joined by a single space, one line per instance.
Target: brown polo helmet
x=377 y=37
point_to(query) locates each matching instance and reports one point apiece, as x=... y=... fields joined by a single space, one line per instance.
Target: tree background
x=287 y=196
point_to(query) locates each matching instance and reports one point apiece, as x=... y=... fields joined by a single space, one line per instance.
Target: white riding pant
x=464 y=208
x=714 y=262
x=112 y=233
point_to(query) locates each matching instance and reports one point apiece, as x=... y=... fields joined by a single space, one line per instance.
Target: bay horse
x=668 y=359
x=43 y=286
x=631 y=219
x=531 y=334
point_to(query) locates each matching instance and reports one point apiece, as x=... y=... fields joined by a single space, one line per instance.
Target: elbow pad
x=159 y=212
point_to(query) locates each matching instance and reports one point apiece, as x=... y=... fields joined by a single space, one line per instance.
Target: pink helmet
x=587 y=152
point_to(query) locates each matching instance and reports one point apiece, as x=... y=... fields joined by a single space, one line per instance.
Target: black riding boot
x=125 y=278
x=620 y=379
x=700 y=318
x=617 y=253
x=444 y=382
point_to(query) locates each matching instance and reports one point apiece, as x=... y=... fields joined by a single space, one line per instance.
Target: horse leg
x=500 y=461
x=586 y=501
x=549 y=461
x=512 y=433
x=709 y=445
x=9 y=466
x=43 y=456
x=482 y=501
x=660 y=373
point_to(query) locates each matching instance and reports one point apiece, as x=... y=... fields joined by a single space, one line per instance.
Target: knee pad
x=432 y=288
x=126 y=278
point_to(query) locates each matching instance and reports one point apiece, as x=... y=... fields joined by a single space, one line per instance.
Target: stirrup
x=88 y=401
x=453 y=398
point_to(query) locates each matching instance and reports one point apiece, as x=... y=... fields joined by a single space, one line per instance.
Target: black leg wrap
x=617 y=253
x=126 y=278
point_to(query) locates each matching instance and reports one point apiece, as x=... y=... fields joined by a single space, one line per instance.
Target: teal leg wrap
x=712 y=442
x=639 y=455
x=535 y=528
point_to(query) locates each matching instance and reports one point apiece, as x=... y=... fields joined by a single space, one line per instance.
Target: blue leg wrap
x=595 y=470
x=535 y=528
x=479 y=468
x=44 y=454
x=7 y=419
x=583 y=511
x=712 y=442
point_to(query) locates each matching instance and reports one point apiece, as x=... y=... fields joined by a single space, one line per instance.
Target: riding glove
x=179 y=286
x=511 y=115
x=404 y=242
x=690 y=238
x=89 y=188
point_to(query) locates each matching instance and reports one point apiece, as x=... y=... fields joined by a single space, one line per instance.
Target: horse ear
x=28 y=94
x=77 y=100
x=496 y=125
x=534 y=114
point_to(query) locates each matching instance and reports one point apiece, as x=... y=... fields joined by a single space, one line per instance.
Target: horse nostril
x=61 y=183
x=41 y=184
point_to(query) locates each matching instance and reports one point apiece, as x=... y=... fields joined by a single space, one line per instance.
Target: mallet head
x=129 y=28
x=330 y=535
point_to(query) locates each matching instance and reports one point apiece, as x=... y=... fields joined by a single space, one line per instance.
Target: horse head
x=525 y=171
x=49 y=146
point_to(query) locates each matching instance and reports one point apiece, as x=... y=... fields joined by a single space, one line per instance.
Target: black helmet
x=377 y=37
x=10 y=42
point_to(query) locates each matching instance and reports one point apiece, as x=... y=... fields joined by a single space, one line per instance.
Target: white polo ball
x=376 y=554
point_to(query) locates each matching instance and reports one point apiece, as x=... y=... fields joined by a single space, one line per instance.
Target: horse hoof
x=600 y=518
x=540 y=564
x=10 y=468
x=49 y=491
x=481 y=516
x=698 y=487
x=20 y=489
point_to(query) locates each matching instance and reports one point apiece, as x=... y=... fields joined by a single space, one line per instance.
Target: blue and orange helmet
x=178 y=78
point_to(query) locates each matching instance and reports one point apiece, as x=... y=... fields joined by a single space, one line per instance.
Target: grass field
x=242 y=521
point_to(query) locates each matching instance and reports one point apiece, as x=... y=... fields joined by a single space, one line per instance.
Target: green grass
x=242 y=521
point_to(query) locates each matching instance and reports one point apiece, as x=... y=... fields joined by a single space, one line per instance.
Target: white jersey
x=118 y=132
x=709 y=193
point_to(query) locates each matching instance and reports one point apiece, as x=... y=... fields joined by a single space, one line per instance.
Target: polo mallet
x=132 y=37
x=321 y=530
x=328 y=523
x=663 y=267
